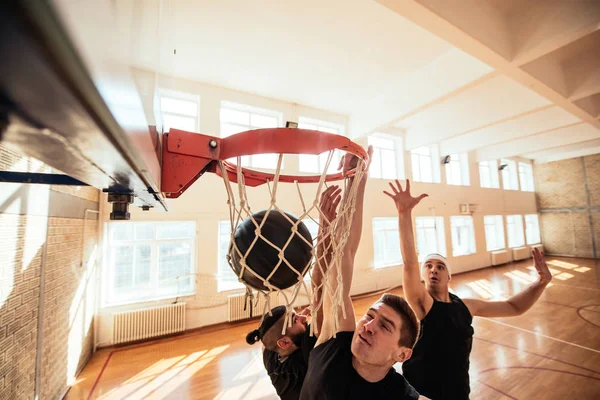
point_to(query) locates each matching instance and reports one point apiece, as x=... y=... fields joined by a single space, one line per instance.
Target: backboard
x=71 y=101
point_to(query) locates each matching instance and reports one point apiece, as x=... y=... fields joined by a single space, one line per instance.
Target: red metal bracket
x=188 y=155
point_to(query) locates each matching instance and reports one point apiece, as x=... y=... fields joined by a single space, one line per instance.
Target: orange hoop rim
x=285 y=141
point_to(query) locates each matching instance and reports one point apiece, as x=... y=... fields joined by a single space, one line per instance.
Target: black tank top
x=439 y=366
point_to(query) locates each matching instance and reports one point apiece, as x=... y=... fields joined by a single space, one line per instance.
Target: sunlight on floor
x=163 y=377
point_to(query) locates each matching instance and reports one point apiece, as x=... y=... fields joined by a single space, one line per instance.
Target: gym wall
x=568 y=196
x=205 y=203
x=48 y=244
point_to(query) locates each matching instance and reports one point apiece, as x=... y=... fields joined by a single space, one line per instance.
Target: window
x=532 y=228
x=457 y=170
x=236 y=118
x=179 y=110
x=463 y=235
x=509 y=175
x=425 y=165
x=494 y=232
x=385 y=159
x=316 y=163
x=430 y=236
x=149 y=260
x=514 y=230
x=226 y=278
x=386 y=242
x=526 y=177
x=488 y=174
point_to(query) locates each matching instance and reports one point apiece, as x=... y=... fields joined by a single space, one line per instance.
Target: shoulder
x=270 y=360
x=341 y=341
x=401 y=385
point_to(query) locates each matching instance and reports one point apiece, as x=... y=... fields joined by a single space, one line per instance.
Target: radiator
x=521 y=253
x=500 y=257
x=148 y=323
x=235 y=305
x=540 y=247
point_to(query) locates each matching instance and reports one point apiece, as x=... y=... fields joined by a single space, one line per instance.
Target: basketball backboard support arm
x=51 y=109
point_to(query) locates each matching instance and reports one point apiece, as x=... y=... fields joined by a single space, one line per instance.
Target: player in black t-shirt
x=285 y=356
x=353 y=361
x=439 y=367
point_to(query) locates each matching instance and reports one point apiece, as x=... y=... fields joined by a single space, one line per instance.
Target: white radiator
x=521 y=253
x=147 y=323
x=540 y=247
x=500 y=257
x=235 y=305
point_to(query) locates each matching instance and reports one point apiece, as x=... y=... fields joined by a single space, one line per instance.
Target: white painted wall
x=205 y=203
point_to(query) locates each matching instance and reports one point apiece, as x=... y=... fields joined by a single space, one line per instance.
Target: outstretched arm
x=330 y=199
x=414 y=292
x=330 y=327
x=520 y=302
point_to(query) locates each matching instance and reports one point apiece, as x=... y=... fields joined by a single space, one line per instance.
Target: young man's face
x=435 y=274
x=293 y=333
x=377 y=335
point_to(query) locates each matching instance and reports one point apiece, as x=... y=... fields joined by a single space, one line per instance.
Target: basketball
x=263 y=257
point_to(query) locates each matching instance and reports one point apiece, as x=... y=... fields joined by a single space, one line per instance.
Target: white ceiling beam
x=565 y=152
x=451 y=73
x=530 y=123
x=555 y=139
x=478 y=29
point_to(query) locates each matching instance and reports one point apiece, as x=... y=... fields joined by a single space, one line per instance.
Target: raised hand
x=402 y=198
x=330 y=198
x=539 y=262
x=350 y=161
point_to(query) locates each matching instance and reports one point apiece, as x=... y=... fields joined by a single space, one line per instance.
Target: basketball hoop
x=186 y=156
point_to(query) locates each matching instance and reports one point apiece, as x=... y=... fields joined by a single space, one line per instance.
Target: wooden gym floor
x=551 y=352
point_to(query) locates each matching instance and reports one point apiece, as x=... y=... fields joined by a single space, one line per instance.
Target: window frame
x=510 y=176
x=318 y=161
x=250 y=160
x=439 y=232
x=462 y=159
x=509 y=231
x=492 y=174
x=384 y=263
x=539 y=232
x=110 y=298
x=397 y=155
x=472 y=245
x=434 y=163
x=526 y=181
x=499 y=228
x=179 y=96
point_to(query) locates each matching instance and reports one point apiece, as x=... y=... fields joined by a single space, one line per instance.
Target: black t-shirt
x=332 y=376
x=439 y=366
x=287 y=376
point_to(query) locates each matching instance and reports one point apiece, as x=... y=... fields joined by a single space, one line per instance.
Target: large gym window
x=430 y=236
x=149 y=261
x=514 y=230
x=386 y=242
x=236 y=118
x=510 y=181
x=316 y=163
x=457 y=170
x=532 y=229
x=463 y=235
x=226 y=278
x=526 y=177
x=494 y=232
x=488 y=174
x=179 y=110
x=425 y=164
x=387 y=157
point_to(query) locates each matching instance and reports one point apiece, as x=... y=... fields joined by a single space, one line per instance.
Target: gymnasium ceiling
x=499 y=77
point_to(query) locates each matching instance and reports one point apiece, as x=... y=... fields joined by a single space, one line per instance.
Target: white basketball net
x=333 y=237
